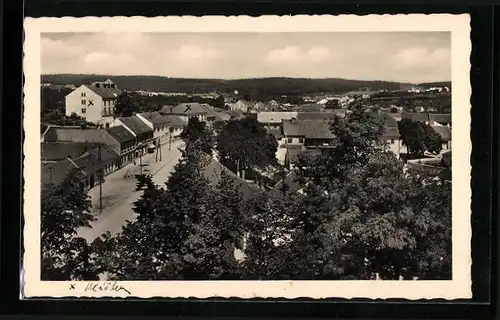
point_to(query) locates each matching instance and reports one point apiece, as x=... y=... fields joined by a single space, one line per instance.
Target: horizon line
x=236 y=79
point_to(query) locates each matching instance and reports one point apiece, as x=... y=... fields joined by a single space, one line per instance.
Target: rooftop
x=212 y=170
x=155 y=118
x=75 y=134
x=120 y=134
x=310 y=129
x=444 y=132
x=52 y=151
x=106 y=93
x=192 y=108
x=136 y=125
x=174 y=121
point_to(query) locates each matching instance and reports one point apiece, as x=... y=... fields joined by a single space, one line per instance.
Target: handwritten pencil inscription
x=107 y=286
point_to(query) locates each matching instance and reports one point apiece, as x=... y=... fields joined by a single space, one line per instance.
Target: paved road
x=119 y=193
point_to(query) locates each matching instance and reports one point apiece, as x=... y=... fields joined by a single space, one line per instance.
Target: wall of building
x=293 y=141
x=78 y=102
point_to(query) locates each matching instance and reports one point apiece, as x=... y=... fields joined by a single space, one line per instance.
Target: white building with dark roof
x=95 y=102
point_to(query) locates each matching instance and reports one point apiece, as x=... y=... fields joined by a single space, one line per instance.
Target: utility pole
x=50 y=173
x=170 y=140
x=140 y=160
x=100 y=178
x=159 y=147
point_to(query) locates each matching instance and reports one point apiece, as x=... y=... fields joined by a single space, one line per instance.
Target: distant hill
x=428 y=85
x=262 y=86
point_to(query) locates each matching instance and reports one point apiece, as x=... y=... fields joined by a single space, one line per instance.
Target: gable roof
x=136 y=125
x=106 y=93
x=89 y=162
x=276 y=133
x=120 y=134
x=391 y=133
x=319 y=115
x=310 y=129
x=440 y=117
x=421 y=117
x=174 y=121
x=389 y=121
x=155 y=118
x=444 y=132
x=56 y=172
x=191 y=108
x=52 y=151
x=77 y=134
x=275 y=116
x=290 y=183
x=211 y=170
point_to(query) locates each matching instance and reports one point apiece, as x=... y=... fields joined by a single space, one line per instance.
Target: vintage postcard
x=285 y=157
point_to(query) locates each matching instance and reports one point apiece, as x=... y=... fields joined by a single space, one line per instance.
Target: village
x=112 y=150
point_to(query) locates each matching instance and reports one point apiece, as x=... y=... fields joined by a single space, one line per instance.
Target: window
x=289 y=140
x=392 y=141
x=84 y=102
x=83 y=94
x=301 y=140
x=84 y=110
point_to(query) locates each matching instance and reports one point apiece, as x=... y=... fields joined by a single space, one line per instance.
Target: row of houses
x=301 y=132
x=97 y=149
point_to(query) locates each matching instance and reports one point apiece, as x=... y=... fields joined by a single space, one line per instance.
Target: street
x=119 y=195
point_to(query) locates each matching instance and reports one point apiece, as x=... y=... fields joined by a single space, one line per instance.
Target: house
x=272 y=120
x=158 y=123
x=90 y=165
x=186 y=111
x=141 y=131
x=440 y=119
x=95 y=162
x=325 y=115
x=315 y=107
x=416 y=117
x=72 y=134
x=176 y=125
x=52 y=152
x=445 y=134
x=241 y=105
x=95 y=102
x=56 y=172
x=307 y=133
x=127 y=143
x=391 y=134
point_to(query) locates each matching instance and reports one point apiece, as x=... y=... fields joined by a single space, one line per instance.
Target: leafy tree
x=380 y=218
x=125 y=105
x=197 y=132
x=245 y=144
x=419 y=137
x=268 y=238
x=64 y=209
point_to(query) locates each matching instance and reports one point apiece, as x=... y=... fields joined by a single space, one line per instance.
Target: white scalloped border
x=458 y=25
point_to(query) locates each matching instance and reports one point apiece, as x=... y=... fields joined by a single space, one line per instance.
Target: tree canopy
x=125 y=105
x=197 y=132
x=64 y=209
x=246 y=144
x=419 y=137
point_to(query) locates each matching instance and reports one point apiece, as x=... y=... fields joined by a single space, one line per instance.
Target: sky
x=412 y=57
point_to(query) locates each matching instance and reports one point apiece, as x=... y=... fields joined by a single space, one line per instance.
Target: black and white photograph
x=250 y=158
